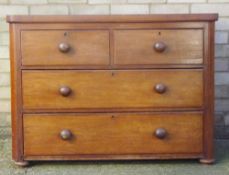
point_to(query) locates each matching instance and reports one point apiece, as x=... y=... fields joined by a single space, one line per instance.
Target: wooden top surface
x=110 y=18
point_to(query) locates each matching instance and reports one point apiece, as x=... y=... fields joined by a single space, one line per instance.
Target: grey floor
x=177 y=167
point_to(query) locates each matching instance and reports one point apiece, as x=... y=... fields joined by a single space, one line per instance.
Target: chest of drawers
x=112 y=87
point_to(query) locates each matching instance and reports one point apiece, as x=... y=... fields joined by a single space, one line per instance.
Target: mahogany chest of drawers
x=112 y=87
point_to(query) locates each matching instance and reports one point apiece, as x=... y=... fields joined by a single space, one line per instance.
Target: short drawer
x=65 y=48
x=118 y=90
x=69 y=134
x=145 y=47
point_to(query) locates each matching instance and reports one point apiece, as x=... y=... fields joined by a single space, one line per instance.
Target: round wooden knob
x=65 y=134
x=65 y=91
x=64 y=47
x=160 y=88
x=159 y=47
x=160 y=133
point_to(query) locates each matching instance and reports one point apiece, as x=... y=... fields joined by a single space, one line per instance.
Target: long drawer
x=130 y=133
x=123 y=89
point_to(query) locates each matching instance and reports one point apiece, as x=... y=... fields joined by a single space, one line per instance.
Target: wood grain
x=112 y=89
x=136 y=47
x=111 y=18
x=88 y=47
x=109 y=157
x=111 y=70
x=16 y=96
x=112 y=134
x=209 y=96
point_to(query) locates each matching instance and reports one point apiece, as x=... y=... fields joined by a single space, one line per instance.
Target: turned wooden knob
x=65 y=134
x=65 y=91
x=159 y=46
x=160 y=133
x=160 y=88
x=64 y=47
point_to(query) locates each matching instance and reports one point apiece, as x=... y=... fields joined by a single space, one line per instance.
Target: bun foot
x=207 y=161
x=22 y=163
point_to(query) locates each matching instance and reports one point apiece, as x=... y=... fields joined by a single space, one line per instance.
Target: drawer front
x=112 y=89
x=142 y=47
x=61 y=48
x=67 y=134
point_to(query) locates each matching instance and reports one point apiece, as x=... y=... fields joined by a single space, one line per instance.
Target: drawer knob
x=159 y=47
x=66 y=134
x=65 y=91
x=160 y=88
x=64 y=47
x=160 y=133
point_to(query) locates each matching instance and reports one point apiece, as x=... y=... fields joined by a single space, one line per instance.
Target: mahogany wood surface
x=209 y=96
x=16 y=98
x=86 y=47
x=111 y=18
x=112 y=134
x=137 y=47
x=112 y=87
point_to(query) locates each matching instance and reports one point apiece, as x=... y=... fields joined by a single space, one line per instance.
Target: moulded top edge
x=111 y=18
